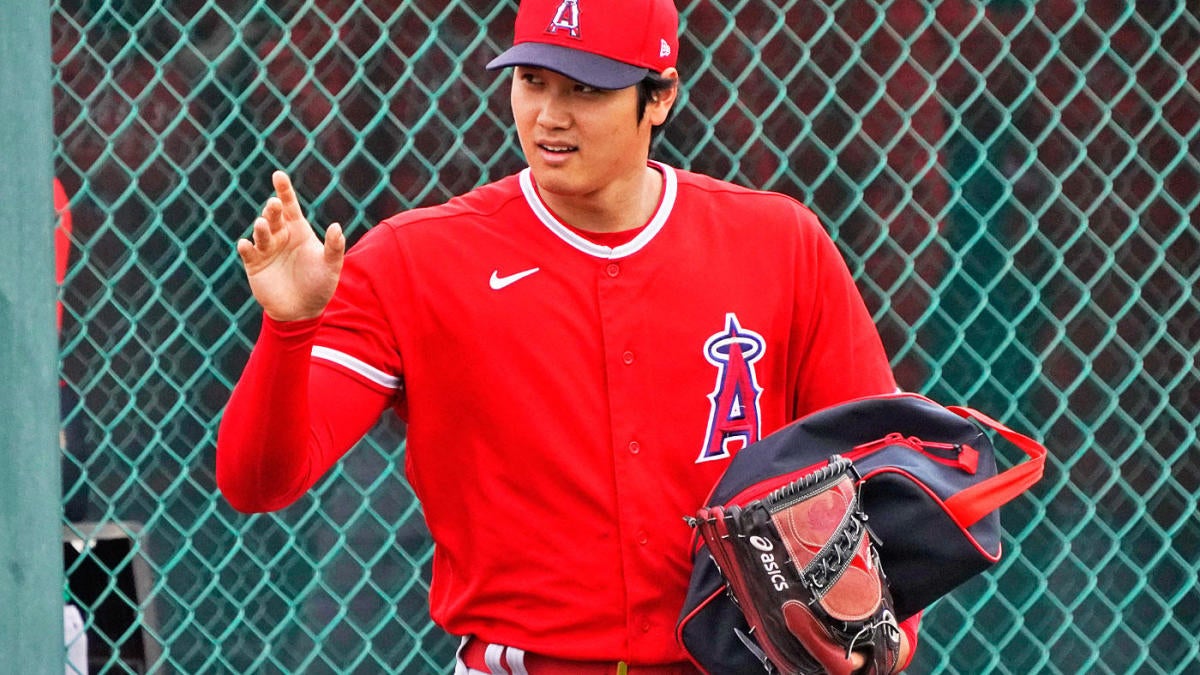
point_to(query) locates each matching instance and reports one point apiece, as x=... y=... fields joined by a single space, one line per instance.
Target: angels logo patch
x=566 y=18
x=733 y=422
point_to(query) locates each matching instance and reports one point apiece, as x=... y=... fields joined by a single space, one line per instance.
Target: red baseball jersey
x=569 y=402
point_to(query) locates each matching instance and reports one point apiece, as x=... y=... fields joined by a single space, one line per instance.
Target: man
x=577 y=349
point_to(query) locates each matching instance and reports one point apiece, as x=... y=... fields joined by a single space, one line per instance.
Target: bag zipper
x=965 y=457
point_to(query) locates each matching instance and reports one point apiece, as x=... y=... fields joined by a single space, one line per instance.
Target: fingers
x=335 y=244
x=245 y=250
x=273 y=221
x=273 y=209
x=268 y=224
x=258 y=244
x=277 y=226
x=289 y=203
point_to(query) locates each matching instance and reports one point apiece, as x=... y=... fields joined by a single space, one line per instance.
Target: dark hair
x=650 y=87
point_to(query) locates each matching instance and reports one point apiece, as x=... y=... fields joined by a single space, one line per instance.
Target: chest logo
x=733 y=422
x=497 y=282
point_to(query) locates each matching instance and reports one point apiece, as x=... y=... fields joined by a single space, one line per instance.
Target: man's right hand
x=291 y=273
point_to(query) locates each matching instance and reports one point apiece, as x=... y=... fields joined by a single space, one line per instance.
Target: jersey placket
x=617 y=293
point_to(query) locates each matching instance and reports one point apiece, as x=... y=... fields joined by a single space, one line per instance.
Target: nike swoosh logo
x=497 y=282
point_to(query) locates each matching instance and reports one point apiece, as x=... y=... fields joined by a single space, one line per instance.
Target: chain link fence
x=1014 y=185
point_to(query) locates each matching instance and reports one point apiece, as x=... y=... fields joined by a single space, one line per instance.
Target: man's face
x=577 y=139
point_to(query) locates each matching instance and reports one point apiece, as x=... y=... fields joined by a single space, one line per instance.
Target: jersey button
x=613 y=269
x=627 y=357
x=635 y=447
x=642 y=538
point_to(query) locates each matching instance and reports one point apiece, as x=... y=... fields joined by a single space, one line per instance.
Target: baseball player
x=578 y=350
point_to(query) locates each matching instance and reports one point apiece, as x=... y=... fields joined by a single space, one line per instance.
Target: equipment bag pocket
x=929 y=486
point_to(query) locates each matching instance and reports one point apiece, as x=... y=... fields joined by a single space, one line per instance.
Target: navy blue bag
x=928 y=483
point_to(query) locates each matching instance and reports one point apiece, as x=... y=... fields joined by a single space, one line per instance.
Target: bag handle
x=980 y=499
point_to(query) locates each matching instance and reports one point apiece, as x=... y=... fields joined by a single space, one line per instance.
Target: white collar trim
x=670 y=186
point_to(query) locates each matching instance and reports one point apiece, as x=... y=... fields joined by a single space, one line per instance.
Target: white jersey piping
x=356 y=366
x=670 y=186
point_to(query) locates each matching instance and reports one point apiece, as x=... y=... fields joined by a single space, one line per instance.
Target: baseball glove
x=801 y=565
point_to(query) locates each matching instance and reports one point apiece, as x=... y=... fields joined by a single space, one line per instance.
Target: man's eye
x=585 y=89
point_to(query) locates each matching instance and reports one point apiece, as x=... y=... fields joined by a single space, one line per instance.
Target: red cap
x=609 y=44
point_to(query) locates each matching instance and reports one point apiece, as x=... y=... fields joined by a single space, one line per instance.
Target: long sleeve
x=910 y=626
x=288 y=420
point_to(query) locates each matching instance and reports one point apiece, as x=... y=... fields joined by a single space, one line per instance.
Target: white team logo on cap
x=664 y=49
x=566 y=18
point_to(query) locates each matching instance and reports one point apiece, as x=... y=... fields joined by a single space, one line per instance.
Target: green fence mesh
x=1014 y=184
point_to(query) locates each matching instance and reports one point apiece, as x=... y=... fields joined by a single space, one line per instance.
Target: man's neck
x=619 y=207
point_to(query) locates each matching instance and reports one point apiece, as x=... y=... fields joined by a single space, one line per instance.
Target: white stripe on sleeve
x=356 y=366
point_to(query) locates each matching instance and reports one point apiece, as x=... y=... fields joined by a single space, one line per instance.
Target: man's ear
x=659 y=105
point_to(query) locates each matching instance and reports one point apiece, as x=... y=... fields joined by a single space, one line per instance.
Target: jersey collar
x=670 y=185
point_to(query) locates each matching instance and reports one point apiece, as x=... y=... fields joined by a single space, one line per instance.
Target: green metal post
x=31 y=575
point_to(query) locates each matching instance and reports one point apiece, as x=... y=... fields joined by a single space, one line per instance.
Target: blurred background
x=1014 y=184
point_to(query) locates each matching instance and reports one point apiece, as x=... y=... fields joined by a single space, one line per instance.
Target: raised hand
x=291 y=273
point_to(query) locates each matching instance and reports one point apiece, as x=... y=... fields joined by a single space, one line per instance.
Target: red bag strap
x=982 y=498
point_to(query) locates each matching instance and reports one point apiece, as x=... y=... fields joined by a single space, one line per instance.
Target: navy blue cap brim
x=591 y=69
